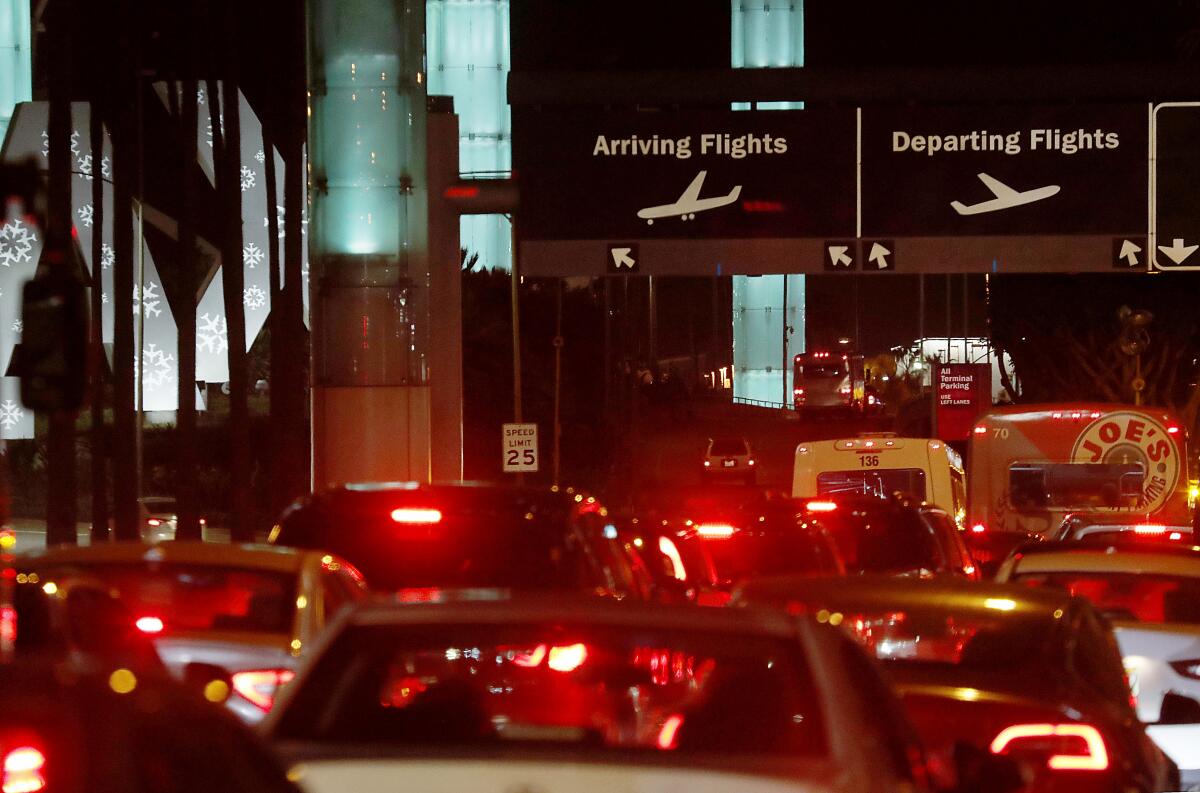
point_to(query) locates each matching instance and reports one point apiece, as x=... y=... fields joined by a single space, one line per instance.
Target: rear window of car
x=728 y=446
x=590 y=689
x=883 y=539
x=510 y=547
x=755 y=552
x=1129 y=597
x=872 y=482
x=197 y=598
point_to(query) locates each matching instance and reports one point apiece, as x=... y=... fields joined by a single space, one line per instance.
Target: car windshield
x=198 y=598
x=728 y=446
x=874 y=482
x=1132 y=597
x=882 y=539
x=961 y=640
x=473 y=545
x=587 y=688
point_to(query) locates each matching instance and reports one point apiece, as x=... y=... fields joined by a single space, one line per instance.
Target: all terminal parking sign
x=520 y=447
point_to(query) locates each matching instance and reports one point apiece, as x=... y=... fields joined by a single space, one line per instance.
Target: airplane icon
x=1006 y=197
x=689 y=203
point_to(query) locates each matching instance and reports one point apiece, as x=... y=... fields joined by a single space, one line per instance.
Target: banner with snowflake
x=28 y=138
x=16 y=421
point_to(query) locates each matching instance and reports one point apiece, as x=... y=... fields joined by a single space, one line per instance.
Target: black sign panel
x=995 y=171
x=688 y=175
x=1176 y=176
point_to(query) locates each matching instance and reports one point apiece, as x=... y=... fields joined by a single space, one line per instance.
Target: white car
x=729 y=458
x=241 y=614
x=493 y=693
x=1151 y=594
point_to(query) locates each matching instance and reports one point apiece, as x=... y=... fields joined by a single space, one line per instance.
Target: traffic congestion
x=841 y=636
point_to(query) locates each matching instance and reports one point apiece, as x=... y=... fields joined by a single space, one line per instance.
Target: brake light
x=1071 y=747
x=149 y=624
x=821 y=506
x=980 y=430
x=707 y=464
x=751 y=461
x=259 y=686
x=1148 y=528
x=417 y=515
x=1173 y=429
x=666 y=547
x=8 y=627
x=669 y=732
x=153 y=522
x=568 y=658
x=24 y=771
x=1175 y=535
x=715 y=531
x=978 y=528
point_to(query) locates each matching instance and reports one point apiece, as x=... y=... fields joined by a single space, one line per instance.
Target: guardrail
x=762 y=403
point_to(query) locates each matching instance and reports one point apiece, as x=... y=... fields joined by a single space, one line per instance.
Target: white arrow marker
x=879 y=255
x=621 y=258
x=1129 y=252
x=1178 y=252
x=837 y=255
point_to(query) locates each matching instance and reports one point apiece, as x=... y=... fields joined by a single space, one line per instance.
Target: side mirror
x=210 y=681
x=980 y=771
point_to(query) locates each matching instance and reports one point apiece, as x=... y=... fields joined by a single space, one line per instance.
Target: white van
x=883 y=464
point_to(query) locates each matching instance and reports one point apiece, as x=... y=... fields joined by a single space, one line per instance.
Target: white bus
x=882 y=464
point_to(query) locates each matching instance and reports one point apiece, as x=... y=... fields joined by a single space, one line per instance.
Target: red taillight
x=669 y=732
x=715 y=531
x=24 y=770
x=1149 y=528
x=821 y=506
x=666 y=546
x=259 y=686
x=978 y=528
x=1173 y=429
x=149 y=624
x=980 y=430
x=153 y=522
x=417 y=515
x=751 y=461
x=8 y=627
x=568 y=658
x=1069 y=747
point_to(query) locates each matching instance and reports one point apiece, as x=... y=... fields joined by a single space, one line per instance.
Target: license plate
x=730 y=463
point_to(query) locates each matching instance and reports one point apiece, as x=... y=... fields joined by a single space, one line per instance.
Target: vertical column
x=368 y=241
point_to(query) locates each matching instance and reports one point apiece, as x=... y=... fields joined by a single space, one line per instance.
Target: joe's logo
x=1133 y=439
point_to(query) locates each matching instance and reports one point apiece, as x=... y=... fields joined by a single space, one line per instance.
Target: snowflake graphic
x=106 y=167
x=16 y=243
x=85 y=167
x=46 y=144
x=17 y=326
x=85 y=213
x=200 y=96
x=279 y=213
x=254 y=298
x=212 y=334
x=149 y=298
x=10 y=414
x=104 y=298
x=252 y=255
x=247 y=179
x=208 y=136
x=107 y=256
x=159 y=371
x=260 y=157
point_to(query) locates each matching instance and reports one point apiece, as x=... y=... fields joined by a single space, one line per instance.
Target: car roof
x=1130 y=557
x=261 y=557
x=499 y=607
x=442 y=495
x=907 y=594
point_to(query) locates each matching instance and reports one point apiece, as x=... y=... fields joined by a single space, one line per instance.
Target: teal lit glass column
x=368 y=246
x=767 y=34
x=16 y=84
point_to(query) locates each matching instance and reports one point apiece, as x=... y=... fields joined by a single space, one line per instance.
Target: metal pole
x=558 y=345
x=783 y=370
x=516 y=326
x=652 y=322
x=949 y=311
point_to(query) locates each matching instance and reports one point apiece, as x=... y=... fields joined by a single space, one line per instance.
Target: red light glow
x=1173 y=429
x=149 y=624
x=978 y=528
x=1149 y=528
x=24 y=771
x=259 y=686
x=461 y=191
x=821 y=506
x=666 y=547
x=715 y=531
x=980 y=430
x=1094 y=756
x=153 y=522
x=416 y=515
x=568 y=658
x=669 y=732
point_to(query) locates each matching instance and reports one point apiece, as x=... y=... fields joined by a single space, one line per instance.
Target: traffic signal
x=51 y=359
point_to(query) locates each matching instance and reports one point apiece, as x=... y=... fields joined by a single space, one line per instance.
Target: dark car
x=1035 y=675
x=897 y=535
x=677 y=560
x=69 y=730
x=411 y=536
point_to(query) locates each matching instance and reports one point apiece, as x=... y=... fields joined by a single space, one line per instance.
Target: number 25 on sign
x=519 y=443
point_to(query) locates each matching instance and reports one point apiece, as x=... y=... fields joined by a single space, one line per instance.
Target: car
x=676 y=558
x=419 y=536
x=1031 y=674
x=71 y=729
x=1151 y=593
x=241 y=613
x=495 y=691
x=729 y=458
x=896 y=535
x=990 y=548
x=1103 y=528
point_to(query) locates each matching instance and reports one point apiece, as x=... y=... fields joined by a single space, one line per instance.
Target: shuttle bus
x=881 y=464
x=823 y=381
x=1031 y=466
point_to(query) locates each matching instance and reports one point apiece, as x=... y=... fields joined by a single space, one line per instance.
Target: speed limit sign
x=520 y=446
